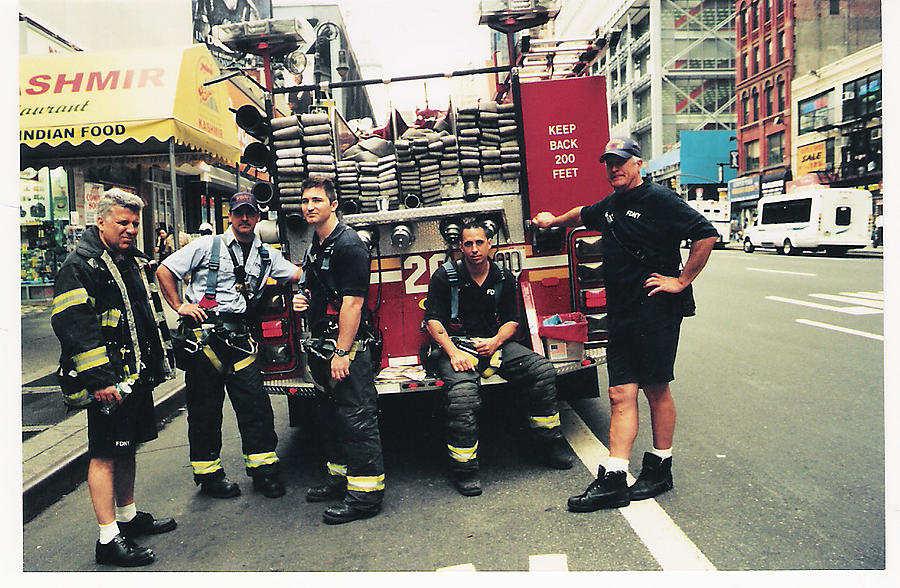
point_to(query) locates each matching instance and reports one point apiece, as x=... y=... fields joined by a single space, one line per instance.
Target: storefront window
x=44 y=219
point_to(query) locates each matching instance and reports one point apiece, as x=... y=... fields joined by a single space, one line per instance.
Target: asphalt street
x=779 y=460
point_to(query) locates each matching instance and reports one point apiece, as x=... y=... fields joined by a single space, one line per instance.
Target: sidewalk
x=55 y=461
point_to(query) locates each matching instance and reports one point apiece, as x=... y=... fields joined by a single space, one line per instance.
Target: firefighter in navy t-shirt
x=642 y=225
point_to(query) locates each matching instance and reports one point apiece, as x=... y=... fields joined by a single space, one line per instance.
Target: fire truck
x=531 y=147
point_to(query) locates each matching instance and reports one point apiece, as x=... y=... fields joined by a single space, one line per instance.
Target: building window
x=780 y=46
x=756 y=60
x=775 y=148
x=744 y=59
x=834 y=7
x=813 y=113
x=781 y=97
x=746 y=110
x=755 y=104
x=754 y=16
x=768 y=54
x=751 y=155
x=769 y=104
x=862 y=97
x=767 y=13
x=779 y=6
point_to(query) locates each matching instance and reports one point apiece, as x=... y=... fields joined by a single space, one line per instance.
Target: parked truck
x=717 y=212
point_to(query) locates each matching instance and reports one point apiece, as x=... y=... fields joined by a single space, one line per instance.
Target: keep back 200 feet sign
x=565 y=126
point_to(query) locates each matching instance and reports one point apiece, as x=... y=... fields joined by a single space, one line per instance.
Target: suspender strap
x=453 y=279
x=212 y=277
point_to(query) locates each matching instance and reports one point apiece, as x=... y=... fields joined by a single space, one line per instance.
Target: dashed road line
x=667 y=543
x=866 y=295
x=841 y=329
x=771 y=271
x=851 y=300
x=854 y=310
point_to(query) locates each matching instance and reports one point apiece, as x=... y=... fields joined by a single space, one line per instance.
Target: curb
x=68 y=468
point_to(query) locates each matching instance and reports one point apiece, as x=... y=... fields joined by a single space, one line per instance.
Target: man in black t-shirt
x=336 y=273
x=472 y=314
x=642 y=225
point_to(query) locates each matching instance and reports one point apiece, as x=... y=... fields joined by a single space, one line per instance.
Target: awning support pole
x=176 y=203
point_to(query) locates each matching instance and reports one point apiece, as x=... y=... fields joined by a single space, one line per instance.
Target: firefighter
x=336 y=274
x=215 y=347
x=113 y=338
x=472 y=315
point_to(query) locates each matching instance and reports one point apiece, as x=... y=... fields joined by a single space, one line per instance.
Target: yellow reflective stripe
x=206 y=467
x=255 y=460
x=90 y=359
x=545 y=422
x=244 y=362
x=335 y=469
x=110 y=318
x=351 y=353
x=365 y=483
x=69 y=299
x=80 y=398
x=463 y=454
x=213 y=358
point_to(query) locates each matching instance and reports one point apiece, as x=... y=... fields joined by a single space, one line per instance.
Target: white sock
x=126 y=513
x=662 y=453
x=108 y=532
x=616 y=464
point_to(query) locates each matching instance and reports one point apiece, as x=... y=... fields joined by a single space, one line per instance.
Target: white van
x=831 y=219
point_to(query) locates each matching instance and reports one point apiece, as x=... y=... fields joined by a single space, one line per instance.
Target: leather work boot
x=270 y=486
x=655 y=478
x=345 y=512
x=143 y=523
x=609 y=490
x=325 y=492
x=466 y=482
x=122 y=552
x=553 y=454
x=220 y=488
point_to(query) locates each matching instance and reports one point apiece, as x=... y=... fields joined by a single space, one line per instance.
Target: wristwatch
x=341 y=352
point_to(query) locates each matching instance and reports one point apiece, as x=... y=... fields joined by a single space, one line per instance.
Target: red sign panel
x=566 y=130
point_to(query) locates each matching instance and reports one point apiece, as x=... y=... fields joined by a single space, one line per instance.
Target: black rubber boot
x=466 y=482
x=609 y=490
x=655 y=478
x=553 y=453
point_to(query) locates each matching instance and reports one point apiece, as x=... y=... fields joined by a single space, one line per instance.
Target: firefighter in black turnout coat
x=472 y=314
x=336 y=274
x=109 y=322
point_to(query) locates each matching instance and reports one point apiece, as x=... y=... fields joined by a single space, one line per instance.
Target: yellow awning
x=127 y=102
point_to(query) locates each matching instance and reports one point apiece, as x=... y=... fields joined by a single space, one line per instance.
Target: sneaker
x=655 y=478
x=609 y=490
x=143 y=523
x=466 y=482
x=123 y=552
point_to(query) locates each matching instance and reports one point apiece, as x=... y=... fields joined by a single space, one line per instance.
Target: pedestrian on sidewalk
x=642 y=225
x=112 y=358
x=228 y=275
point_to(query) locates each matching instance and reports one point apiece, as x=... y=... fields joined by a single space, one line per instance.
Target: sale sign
x=566 y=129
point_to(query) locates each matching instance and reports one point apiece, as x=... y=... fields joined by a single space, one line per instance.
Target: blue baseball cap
x=243 y=199
x=621 y=147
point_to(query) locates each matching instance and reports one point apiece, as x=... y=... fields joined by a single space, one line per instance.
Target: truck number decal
x=419 y=266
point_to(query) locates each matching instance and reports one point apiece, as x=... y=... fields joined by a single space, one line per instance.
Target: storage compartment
x=564 y=340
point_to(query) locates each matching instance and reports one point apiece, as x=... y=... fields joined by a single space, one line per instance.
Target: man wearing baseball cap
x=642 y=225
x=215 y=347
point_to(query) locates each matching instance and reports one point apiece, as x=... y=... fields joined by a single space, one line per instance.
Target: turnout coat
x=94 y=320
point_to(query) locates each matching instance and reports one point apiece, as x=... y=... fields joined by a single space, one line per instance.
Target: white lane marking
x=771 y=271
x=460 y=568
x=549 y=562
x=854 y=310
x=867 y=295
x=668 y=544
x=851 y=300
x=841 y=329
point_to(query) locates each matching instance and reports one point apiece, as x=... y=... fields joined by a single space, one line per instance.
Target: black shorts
x=642 y=346
x=119 y=433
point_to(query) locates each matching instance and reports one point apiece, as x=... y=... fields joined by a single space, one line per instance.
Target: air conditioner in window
x=876 y=133
x=848 y=96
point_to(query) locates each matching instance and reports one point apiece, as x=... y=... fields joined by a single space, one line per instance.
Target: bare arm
x=696 y=261
x=487 y=347
x=348 y=324
x=169 y=288
x=568 y=219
